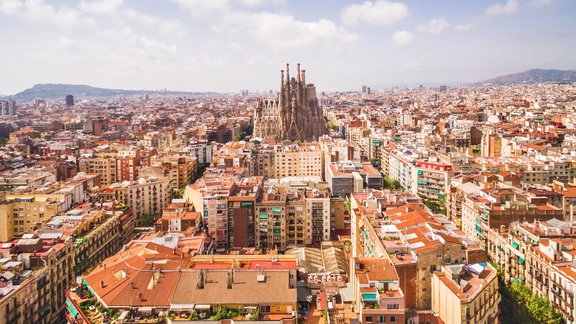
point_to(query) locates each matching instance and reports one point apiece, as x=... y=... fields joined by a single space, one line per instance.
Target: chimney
x=230 y=279
x=304 y=77
x=102 y=284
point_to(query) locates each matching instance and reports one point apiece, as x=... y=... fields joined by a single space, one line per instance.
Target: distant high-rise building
x=294 y=115
x=7 y=107
x=69 y=100
x=39 y=103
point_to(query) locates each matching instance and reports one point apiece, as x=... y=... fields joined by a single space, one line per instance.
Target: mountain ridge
x=534 y=76
x=61 y=90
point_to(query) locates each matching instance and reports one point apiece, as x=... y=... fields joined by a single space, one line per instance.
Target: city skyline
x=229 y=45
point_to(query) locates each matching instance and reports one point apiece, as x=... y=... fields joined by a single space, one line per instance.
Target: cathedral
x=294 y=115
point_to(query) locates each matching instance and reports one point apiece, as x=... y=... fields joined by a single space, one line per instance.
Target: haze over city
x=229 y=45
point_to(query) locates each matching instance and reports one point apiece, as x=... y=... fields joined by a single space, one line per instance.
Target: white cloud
x=511 y=6
x=403 y=37
x=10 y=7
x=283 y=31
x=434 y=26
x=379 y=12
x=40 y=11
x=278 y=30
x=204 y=8
x=100 y=6
x=64 y=42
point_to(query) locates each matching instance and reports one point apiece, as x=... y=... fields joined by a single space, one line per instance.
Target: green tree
x=389 y=183
x=437 y=207
x=520 y=305
x=331 y=125
x=347 y=206
x=147 y=219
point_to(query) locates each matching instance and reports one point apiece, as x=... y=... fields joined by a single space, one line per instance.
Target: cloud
x=511 y=6
x=278 y=30
x=464 y=27
x=380 y=12
x=100 y=6
x=64 y=42
x=283 y=31
x=403 y=37
x=40 y=11
x=434 y=26
x=10 y=7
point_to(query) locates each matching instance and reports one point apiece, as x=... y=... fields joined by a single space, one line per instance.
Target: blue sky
x=229 y=45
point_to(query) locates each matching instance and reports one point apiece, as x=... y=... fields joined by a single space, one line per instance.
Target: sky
x=230 y=45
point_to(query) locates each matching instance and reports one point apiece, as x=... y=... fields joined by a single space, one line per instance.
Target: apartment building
x=201 y=150
x=147 y=197
x=466 y=293
x=242 y=217
x=288 y=160
x=22 y=214
x=201 y=286
x=178 y=217
x=346 y=177
x=502 y=206
x=38 y=268
x=272 y=218
x=379 y=298
x=432 y=179
x=540 y=255
x=181 y=169
x=103 y=164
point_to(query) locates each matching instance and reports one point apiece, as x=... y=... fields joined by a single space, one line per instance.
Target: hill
x=535 y=76
x=60 y=91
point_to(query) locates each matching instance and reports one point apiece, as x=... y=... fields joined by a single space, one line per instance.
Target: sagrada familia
x=294 y=115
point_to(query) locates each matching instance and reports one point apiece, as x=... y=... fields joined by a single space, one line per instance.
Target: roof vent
x=261 y=278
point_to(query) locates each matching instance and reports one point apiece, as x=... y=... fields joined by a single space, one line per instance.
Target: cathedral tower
x=295 y=113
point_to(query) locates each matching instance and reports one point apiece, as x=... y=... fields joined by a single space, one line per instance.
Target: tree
x=331 y=125
x=391 y=184
x=375 y=163
x=347 y=206
x=437 y=207
x=520 y=305
x=147 y=219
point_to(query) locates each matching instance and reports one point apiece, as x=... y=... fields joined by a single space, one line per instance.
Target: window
x=265 y=309
x=392 y=319
x=368 y=319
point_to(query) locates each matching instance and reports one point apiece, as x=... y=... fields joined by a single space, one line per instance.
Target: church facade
x=294 y=115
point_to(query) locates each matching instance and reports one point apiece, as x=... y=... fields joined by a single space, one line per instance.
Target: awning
x=202 y=307
x=145 y=309
x=250 y=307
x=182 y=307
x=521 y=260
x=515 y=245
